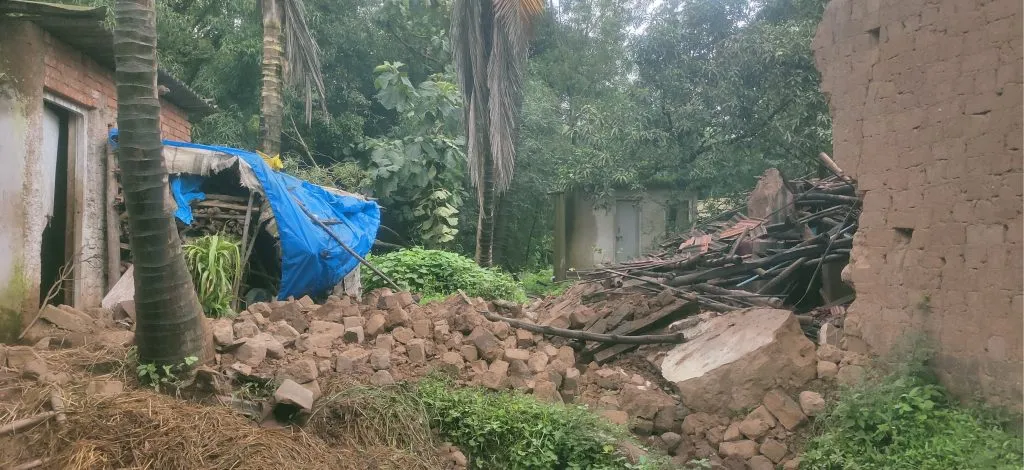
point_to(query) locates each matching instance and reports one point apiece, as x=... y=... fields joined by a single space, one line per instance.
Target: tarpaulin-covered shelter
x=209 y=185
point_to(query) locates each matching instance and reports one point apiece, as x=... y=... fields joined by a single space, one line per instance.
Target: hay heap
x=142 y=429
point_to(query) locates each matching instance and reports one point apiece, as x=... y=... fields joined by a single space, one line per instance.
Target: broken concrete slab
x=742 y=355
x=252 y=352
x=245 y=329
x=223 y=332
x=487 y=344
x=291 y=313
x=382 y=378
x=291 y=393
x=743 y=449
x=644 y=403
x=123 y=290
x=785 y=409
x=67 y=319
x=811 y=403
x=380 y=359
x=104 y=387
x=20 y=356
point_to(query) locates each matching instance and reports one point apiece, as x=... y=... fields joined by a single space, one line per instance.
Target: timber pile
x=785 y=252
x=770 y=258
x=220 y=214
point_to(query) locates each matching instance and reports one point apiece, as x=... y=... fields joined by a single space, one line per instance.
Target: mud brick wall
x=926 y=102
x=74 y=76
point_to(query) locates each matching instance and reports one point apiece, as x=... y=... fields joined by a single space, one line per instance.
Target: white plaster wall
x=591 y=238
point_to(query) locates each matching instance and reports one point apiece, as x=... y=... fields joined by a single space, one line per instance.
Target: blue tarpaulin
x=312 y=262
x=185 y=189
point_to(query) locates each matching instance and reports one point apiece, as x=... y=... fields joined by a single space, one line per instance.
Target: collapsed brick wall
x=926 y=101
x=76 y=77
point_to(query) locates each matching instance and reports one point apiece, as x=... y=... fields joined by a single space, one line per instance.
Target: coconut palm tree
x=169 y=324
x=296 y=62
x=490 y=42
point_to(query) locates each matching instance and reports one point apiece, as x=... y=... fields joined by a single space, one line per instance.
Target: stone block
x=785 y=409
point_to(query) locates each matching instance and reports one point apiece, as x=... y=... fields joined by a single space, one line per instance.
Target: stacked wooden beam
x=220 y=214
x=737 y=261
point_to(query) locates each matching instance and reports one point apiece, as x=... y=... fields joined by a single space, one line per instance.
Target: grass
x=506 y=430
x=539 y=284
x=437 y=273
x=214 y=263
x=905 y=420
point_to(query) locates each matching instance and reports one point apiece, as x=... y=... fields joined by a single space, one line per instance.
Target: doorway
x=60 y=151
x=627 y=230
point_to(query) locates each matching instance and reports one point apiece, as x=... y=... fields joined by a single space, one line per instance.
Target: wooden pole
x=245 y=249
x=581 y=335
x=113 y=229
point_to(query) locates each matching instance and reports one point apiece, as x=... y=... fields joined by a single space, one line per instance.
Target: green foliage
x=214 y=263
x=435 y=272
x=906 y=421
x=345 y=175
x=515 y=431
x=164 y=376
x=539 y=283
x=419 y=172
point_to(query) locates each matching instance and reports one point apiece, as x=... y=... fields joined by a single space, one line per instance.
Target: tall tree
x=297 y=62
x=490 y=44
x=169 y=320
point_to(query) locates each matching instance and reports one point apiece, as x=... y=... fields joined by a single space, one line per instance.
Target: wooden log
x=751 y=297
x=21 y=424
x=832 y=167
x=783 y=276
x=225 y=197
x=226 y=205
x=57 y=404
x=577 y=334
x=31 y=464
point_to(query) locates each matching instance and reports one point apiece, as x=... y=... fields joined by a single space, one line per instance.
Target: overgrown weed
x=901 y=418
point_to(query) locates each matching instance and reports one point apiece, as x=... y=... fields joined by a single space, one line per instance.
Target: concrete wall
x=926 y=102
x=35 y=67
x=590 y=225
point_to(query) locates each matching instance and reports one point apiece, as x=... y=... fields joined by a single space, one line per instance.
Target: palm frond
x=469 y=52
x=302 y=56
x=490 y=40
x=505 y=72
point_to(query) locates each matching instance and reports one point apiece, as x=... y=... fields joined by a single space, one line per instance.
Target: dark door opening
x=55 y=158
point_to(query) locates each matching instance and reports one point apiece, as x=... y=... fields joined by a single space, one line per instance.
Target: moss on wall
x=12 y=300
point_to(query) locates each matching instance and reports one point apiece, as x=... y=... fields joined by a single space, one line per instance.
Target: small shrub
x=907 y=421
x=434 y=273
x=539 y=284
x=214 y=263
x=515 y=431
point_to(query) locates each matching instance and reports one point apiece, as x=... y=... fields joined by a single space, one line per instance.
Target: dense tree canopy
x=695 y=94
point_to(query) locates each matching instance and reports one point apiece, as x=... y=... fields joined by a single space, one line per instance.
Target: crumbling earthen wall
x=36 y=67
x=926 y=101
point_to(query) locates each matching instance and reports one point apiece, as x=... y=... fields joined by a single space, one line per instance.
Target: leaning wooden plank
x=659 y=319
x=583 y=335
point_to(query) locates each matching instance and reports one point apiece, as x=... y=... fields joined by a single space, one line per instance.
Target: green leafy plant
x=418 y=168
x=166 y=375
x=515 y=431
x=442 y=273
x=539 y=283
x=214 y=263
x=907 y=421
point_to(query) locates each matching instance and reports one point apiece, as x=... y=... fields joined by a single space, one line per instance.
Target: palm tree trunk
x=272 y=102
x=485 y=222
x=169 y=324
